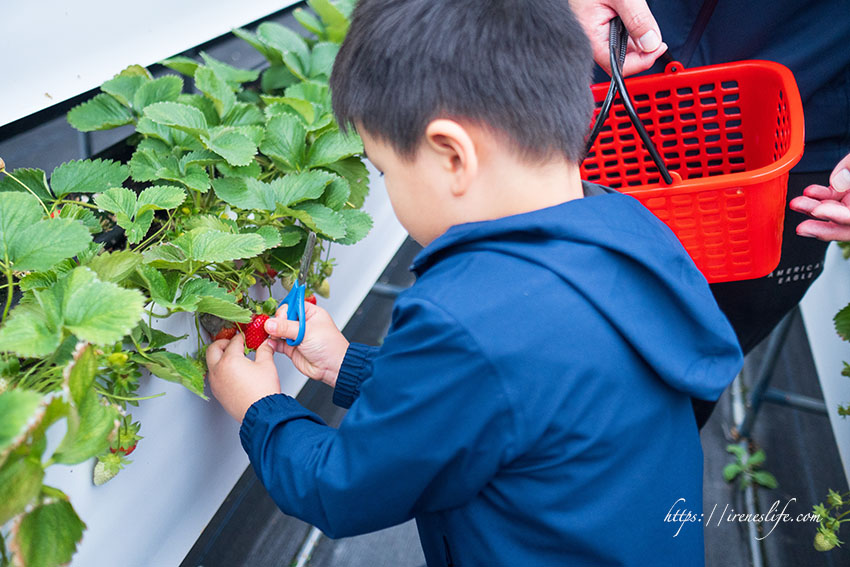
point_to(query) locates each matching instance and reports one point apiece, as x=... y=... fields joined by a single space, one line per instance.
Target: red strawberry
x=225 y=333
x=271 y=272
x=255 y=332
x=311 y=299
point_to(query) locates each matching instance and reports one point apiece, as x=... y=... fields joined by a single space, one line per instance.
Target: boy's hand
x=236 y=380
x=320 y=354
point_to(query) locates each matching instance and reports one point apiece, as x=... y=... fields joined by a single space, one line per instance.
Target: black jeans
x=754 y=307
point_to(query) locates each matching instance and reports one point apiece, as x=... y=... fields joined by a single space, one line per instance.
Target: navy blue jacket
x=810 y=37
x=530 y=405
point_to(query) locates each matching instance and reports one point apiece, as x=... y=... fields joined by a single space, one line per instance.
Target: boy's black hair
x=522 y=67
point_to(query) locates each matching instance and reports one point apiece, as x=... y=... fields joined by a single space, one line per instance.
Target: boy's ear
x=456 y=151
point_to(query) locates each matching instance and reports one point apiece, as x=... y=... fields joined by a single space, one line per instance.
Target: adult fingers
x=279 y=327
x=824 y=230
x=804 y=204
x=840 y=178
x=832 y=211
x=640 y=23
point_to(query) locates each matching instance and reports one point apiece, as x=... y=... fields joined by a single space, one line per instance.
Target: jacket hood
x=634 y=272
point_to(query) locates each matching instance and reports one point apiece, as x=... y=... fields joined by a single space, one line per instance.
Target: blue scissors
x=294 y=300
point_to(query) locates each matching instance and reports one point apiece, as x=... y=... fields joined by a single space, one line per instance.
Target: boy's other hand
x=320 y=354
x=829 y=207
x=645 y=45
x=236 y=380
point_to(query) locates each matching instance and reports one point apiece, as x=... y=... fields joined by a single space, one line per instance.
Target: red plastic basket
x=728 y=134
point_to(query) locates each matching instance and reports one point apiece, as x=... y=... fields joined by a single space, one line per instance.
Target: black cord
x=609 y=98
x=619 y=38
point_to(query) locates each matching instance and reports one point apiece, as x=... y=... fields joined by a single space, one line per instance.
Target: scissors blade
x=307 y=258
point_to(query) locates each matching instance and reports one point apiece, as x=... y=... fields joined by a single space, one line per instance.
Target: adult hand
x=236 y=380
x=645 y=44
x=829 y=206
x=320 y=354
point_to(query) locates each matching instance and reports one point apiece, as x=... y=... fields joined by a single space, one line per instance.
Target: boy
x=530 y=405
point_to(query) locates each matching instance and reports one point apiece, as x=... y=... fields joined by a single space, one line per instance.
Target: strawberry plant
x=231 y=169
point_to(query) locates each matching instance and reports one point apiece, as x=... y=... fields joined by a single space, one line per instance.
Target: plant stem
x=127 y=399
x=7 y=269
x=22 y=184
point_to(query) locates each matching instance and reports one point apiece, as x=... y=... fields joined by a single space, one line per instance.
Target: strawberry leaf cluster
x=231 y=169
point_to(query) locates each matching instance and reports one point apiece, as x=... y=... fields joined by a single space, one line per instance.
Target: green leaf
x=103 y=112
x=33 y=244
x=248 y=193
x=48 y=535
x=212 y=246
x=227 y=310
x=337 y=193
x=335 y=22
x=85 y=216
x=216 y=89
x=115 y=267
x=756 y=459
x=27 y=333
x=163 y=290
x=166 y=256
x=233 y=146
x=20 y=484
x=34 y=179
x=320 y=218
x=80 y=375
x=253 y=169
x=163 y=89
x=311 y=91
x=176 y=368
x=284 y=105
x=204 y=104
x=124 y=87
x=730 y=471
x=210 y=222
x=90 y=427
x=270 y=235
x=160 y=197
x=271 y=55
x=244 y=114
x=277 y=77
x=309 y=22
x=183 y=65
x=357 y=225
x=290 y=236
x=177 y=115
x=119 y=201
x=322 y=60
x=88 y=176
x=17 y=408
x=283 y=40
x=95 y=311
x=297 y=66
x=231 y=75
x=765 y=479
x=285 y=142
x=333 y=146
x=146 y=165
x=738 y=451
x=842 y=323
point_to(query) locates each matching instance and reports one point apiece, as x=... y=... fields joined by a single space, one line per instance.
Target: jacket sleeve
x=356 y=367
x=430 y=428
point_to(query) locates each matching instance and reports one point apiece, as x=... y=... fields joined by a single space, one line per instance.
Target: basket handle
x=618 y=40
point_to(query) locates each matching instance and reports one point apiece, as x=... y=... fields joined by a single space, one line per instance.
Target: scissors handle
x=294 y=301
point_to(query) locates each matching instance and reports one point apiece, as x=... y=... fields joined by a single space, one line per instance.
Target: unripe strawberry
x=823 y=543
x=116 y=359
x=324 y=289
